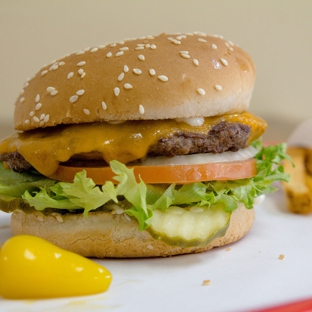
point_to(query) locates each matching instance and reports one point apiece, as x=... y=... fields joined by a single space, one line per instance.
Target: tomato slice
x=180 y=174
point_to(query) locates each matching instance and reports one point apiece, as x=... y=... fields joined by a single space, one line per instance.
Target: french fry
x=299 y=189
x=309 y=161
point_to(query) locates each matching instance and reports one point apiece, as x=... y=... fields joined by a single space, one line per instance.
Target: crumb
x=281 y=257
x=228 y=249
x=206 y=282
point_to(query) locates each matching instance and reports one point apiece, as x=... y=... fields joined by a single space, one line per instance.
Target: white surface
x=248 y=276
x=301 y=136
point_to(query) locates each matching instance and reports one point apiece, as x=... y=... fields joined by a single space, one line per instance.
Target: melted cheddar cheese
x=45 y=148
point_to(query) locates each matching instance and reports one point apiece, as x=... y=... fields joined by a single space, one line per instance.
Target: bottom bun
x=107 y=235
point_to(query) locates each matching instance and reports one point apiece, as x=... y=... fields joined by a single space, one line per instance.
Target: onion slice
x=196 y=159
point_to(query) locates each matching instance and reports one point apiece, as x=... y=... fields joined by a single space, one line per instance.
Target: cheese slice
x=45 y=148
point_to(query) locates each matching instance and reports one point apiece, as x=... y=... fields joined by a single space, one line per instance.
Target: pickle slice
x=187 y=227
x=9 y=204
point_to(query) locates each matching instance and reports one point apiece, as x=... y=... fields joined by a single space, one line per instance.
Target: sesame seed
x=26 y=84
x=184 y=52
x=83 y=74
x=22 y=92
x=61 y=63
x=200 y=33
x=31 y=113
x=54 y=92
x=73 y=98
x=153 y=46
x=94 y=49
x=116 y=91
x=80 y=71
x=126 y=68
x=176 y=41
x=139 y=48
x=231 y=49
x=119 y=53
x=71 y=74
x=42 y=116
x=163 y=78
x=201 y=91
x=54 y=66
x=109 y=54
x=27 y=121
x=184 y=55
x=141 y=57
x=224 y=62
x=147 y=45
x=44 y=72
x=37 y=99
x=124 y=49
x=46 y=118
x=22 y=99
x=86 y=111
x=80 y=52
x=104 y=106
x=50 y=89
x=195 y=62
x=36 y=119
x=121 y=76
x=141 y=109
x=127 y=86
x=201 y=40
x=152 y=72
x=80 y=92
x=218 y=87
x=81 y=63
x=41 y=123
x=137 y=71
x=59 y=218
x=140 y=44
x=38 y=106
x=214 y=46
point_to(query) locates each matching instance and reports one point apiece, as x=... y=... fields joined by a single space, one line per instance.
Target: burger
x=139 y=148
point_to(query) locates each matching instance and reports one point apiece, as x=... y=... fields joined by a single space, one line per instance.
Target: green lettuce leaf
x=143 y=199
x=15 y=184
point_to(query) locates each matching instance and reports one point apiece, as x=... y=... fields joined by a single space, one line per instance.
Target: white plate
x=250 y=275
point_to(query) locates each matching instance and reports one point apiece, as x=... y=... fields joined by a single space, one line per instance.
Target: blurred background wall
x=276 y=33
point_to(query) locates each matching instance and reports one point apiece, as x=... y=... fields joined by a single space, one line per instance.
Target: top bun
x=167 y=76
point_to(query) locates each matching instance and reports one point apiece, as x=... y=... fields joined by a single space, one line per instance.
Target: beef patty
x=220 y=138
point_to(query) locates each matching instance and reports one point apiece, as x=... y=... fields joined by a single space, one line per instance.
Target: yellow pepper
x=32 y=268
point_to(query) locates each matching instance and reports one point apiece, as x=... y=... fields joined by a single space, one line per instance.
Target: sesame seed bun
x=106 y=235
x=166 y=76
